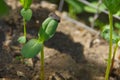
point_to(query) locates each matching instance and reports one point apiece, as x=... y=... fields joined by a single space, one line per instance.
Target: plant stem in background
x=42 y=64
x=110 y=47
x=61 y=5
x=71 y=12
x=24 y=22
x=114 y=53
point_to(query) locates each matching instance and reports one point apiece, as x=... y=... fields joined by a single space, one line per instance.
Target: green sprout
x=3 y=8
x=35 y=46
x=75 y=7
x=26 y=13
x=113 y=7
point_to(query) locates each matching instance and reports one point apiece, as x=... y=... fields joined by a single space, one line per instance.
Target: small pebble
x=20 y=74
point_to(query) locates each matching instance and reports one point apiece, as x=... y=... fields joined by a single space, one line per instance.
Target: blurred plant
x=75 y=7
x=26 y=13
x=106 y=32
x=115 y=40
x=112 y=10
x=97 y=4
x=117 y=26
x=99 y=8
x=3 y=8
x=34 y=46
x=99 y=24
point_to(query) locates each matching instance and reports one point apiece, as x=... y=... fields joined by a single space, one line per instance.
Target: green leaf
x=51 y=28
x=27 y=14
x=3 y=8
x=31 y=48
x=106 y=32
x=27 y=4
x=19 y=57
x=22 y=39
x=118 y=13
x=112 y=5
x=117 y=25
x=92 y=10
x=119 y=43
x=76 y=5
x=48 y=29
x=22 y=2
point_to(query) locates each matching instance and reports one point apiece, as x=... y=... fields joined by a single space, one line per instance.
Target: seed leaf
x=31 y=48
x=48 y=30
x=22 y=39
x=51 y=28
x=27 y=4
x=27 y=14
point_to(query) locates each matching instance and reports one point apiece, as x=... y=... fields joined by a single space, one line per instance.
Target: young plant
x=115 y=40
x=3 y=8
x=26 y=13
x=75 y=7
x=35 y=46
x=113 y=7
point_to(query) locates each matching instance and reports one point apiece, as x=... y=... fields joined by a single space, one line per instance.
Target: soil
x=72 y=54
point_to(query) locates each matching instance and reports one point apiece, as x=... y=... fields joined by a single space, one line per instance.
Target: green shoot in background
x=3 y=8
x=35 y=46
x=75 y=7
x=26 y=13
x=113 y=7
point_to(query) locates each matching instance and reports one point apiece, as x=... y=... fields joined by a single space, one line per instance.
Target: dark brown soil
x=72 y=54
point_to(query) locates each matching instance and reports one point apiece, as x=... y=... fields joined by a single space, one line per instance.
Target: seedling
x=3 y=8
x=75 y=7
x=113 y=7
x=26 y=13
x=35 y=46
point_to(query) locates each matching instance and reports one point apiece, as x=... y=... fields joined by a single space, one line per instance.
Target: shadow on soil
x=2 y=38
x=64 y=44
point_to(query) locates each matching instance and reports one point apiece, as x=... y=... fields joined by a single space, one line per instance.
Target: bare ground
x=72 y=54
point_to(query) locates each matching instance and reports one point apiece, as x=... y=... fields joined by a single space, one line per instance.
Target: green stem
x=42 y=64
x=71 y=12
x=24 y=27
x=110 y=47
x=114 y=53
